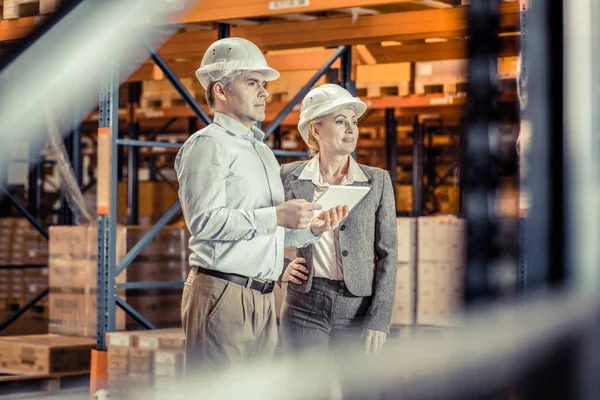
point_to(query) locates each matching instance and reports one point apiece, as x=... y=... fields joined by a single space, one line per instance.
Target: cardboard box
x=406 y=238
x=73 y=279
x=403 y=301
x=46 y=354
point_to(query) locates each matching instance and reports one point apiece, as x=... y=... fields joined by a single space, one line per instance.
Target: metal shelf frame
x=31 y=212
x=108 y=150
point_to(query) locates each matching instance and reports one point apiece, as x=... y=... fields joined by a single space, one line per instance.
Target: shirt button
x=343 y=227
x=341 y=291
x=342 y=284
x=345 y=253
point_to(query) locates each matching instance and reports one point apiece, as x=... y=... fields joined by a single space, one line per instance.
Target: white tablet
x=341 y=196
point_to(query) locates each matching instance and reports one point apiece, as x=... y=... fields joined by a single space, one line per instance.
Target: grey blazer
x=368 y=239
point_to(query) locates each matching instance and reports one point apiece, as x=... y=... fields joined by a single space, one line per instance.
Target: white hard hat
x=324 y=100
x=226 y=56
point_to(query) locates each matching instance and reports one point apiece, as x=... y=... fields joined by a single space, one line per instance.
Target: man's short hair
x=226 y=81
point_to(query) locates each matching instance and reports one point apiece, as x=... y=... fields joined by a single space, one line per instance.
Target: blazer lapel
x=303 y=189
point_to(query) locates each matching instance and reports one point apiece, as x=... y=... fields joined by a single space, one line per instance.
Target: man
x=233 y=203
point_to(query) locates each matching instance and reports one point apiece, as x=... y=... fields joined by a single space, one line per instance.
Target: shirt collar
x=312 y=172
x=237 y=128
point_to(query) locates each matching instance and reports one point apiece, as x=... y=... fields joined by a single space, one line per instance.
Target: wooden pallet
x=161 y=101
x=15 y=381
x=13 y=9
x=383 y=89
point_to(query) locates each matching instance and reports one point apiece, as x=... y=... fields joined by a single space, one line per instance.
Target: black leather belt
x=261 y=286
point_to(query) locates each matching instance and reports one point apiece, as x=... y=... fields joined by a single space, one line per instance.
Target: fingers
x=368 y=341
x=377 y=345
x=335 y=220
x=316 y=206
x=292 y=278
x=299 y=260
x=296 y=273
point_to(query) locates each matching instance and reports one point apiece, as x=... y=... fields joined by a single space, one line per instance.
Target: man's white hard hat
x=230 y=56
x=324 y=100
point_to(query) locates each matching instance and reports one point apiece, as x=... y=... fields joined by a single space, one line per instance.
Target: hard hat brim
x=354 y=103
x=269 y=73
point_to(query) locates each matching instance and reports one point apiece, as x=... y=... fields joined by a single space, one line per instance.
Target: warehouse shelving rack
x=32 y=211
x=108 y=165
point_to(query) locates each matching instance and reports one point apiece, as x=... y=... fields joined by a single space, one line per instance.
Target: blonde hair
x=313 y=145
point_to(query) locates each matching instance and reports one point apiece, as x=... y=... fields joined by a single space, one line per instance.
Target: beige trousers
x=226 y=324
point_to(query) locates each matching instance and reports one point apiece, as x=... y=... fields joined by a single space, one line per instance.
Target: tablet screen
x=341 y=196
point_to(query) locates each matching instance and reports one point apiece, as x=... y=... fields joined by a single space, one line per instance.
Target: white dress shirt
x=327 y=257
x=229 y=186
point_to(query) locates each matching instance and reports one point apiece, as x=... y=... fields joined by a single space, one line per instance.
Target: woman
x=342 y=287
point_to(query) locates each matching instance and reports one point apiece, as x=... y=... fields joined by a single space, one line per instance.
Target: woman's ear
x=219 y=91
x=314 y=132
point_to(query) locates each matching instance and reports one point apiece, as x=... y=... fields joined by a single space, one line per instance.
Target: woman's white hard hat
x=324 y=100
x=230 y=56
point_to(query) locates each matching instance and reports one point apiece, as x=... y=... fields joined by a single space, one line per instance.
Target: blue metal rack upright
x=108 y=165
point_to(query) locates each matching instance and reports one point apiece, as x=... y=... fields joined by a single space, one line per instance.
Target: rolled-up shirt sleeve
x=202 y=169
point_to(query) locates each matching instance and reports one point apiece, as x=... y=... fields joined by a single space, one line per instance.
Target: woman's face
x=337 y=133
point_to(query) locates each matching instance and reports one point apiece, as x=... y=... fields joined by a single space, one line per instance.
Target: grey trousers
x=327 y=316
x=226 y=324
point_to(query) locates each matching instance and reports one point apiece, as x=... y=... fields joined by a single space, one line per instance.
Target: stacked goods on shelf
x=21 y=244
x=164 y=259
x=289 y=84
x=448 y=198
x=439 y=269
x=46 y=354
x=448 y=76
x=403 y=303
x=13 y=9
x=377 y=80
x=507 y=73
x=139 y=360
x=154 y=199
x=73 y=279
x=404 y=198
x=162 y=94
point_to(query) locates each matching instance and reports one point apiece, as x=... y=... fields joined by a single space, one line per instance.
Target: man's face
x=246 y=98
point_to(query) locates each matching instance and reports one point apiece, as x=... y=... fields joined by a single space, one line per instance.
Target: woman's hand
x=374 y=340
x=328 y=220
x=295 y=272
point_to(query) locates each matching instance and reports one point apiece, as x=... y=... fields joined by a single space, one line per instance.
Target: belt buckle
x=268 y=287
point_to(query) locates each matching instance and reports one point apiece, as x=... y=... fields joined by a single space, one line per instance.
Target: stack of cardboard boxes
x=21 y=244
x=142 y=360
x=165 y=259
x=73 y=279
x=431 y=283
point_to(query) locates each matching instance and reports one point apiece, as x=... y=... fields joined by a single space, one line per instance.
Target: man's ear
x=219 y=91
